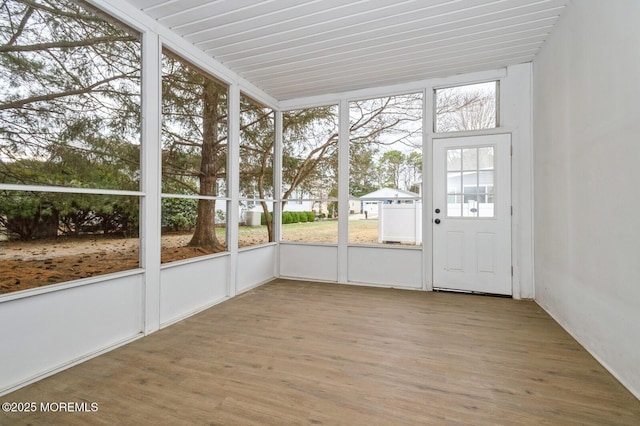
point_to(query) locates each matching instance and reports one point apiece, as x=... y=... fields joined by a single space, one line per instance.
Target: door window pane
x=485 y=180
x=470 y=159
x=486 y=157
x=469 y=181
x=454 y=183
x=470 y=192
x=470 y=205
x=454 y=157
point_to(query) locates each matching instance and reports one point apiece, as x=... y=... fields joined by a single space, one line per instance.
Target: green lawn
x=324 y=231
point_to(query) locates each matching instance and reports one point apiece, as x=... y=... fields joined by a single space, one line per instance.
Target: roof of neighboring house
x=390 y=194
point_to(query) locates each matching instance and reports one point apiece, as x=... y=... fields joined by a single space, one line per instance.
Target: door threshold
x=477 y=293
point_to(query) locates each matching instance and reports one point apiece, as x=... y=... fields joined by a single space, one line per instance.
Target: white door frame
x=427 y=201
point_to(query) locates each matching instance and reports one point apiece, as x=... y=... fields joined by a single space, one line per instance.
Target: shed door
x=472 y=214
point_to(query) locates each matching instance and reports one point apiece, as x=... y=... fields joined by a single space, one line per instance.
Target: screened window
x=470 y=107
x=69 y=118
x=310 y=175
x=385 y=179
x=257 y=137
x=194 y=161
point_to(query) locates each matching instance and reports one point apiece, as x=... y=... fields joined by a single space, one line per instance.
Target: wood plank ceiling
x=299 y=48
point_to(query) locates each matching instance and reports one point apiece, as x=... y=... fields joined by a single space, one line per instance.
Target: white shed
x=372 y=201
x=399 y=215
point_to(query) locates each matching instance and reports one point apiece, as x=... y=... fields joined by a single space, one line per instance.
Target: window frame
x=434 y=107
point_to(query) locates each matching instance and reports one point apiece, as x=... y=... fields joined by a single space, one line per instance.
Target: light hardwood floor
x=293 y=352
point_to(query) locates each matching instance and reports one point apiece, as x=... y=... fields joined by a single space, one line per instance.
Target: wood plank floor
x=295 y=353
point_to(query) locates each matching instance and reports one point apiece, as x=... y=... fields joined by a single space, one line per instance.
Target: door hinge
x=511 y=210
x=511 y=270
x=511 y=150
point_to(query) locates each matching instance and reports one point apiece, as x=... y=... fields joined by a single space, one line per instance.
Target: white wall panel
x=190 y=287
x=515 y=115
x=586 y=127
x=47 y=331
x=389 y=267
x=309 y=262
x=256 y=266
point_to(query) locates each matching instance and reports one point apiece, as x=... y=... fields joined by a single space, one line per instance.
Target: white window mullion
x=277 y=188
x=343 y=192
x=233 y=182
x=151 y=179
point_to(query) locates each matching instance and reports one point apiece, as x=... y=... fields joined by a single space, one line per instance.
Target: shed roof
x=389 y=194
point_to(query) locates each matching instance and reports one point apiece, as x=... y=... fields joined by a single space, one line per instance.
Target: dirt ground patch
x=25 y=265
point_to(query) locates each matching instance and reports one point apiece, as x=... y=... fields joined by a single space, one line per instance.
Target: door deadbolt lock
x=437 y=210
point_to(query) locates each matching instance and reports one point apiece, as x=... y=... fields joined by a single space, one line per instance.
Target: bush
x=179 y=214
x=263 y=218
x=298 y=217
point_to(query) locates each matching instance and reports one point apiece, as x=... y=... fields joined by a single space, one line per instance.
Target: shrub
x=179 y=214
x=298 y=217
x=263 y=218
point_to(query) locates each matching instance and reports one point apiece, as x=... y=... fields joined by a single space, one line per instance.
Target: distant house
x=355 y=205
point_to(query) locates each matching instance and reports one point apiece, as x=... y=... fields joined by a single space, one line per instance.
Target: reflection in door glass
x=470 y=159
x=454 y=157
x=486 y=158
x=453 y=183
x=471 y=182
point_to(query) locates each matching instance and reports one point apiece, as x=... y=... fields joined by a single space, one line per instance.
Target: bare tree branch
x=21 y=26
x=63 y=44
x=51 y=96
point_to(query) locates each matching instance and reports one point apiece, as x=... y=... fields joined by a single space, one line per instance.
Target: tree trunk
x=268 y=220
x=204 y=234
x=261 y=192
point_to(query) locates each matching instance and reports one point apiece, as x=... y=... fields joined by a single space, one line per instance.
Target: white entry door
x=472 y=214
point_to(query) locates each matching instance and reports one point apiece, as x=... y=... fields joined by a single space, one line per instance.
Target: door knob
x=437 y=221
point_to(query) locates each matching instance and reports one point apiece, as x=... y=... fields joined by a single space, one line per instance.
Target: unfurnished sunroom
x=158 y=158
